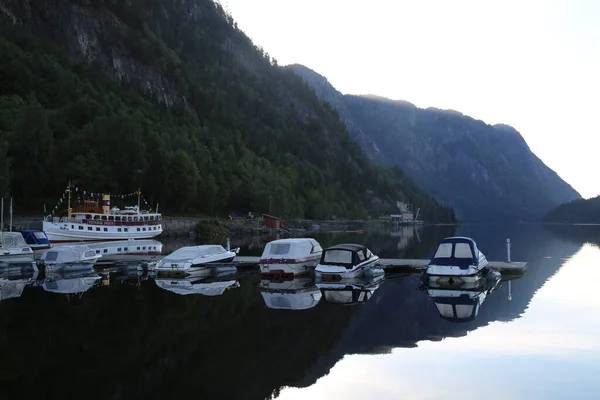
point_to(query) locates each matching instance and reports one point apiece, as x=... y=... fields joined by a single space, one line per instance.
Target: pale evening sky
x=531 y=64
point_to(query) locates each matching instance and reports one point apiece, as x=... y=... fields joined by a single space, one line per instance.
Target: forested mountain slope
x=170 y=96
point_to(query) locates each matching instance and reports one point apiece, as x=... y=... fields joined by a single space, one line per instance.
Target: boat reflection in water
x=299 y=293
x=14 y=279
x=350 y=291
x=145 y=250
x=70 y=282
x=200 y=282
x=460 y=302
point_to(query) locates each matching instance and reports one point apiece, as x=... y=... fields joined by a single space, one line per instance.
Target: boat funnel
x=106 y=203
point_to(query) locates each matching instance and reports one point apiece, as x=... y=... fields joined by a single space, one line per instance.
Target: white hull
x=16 y=255
x=70 y=232
x=332 y=272
x=296 y=269
x=178 y=266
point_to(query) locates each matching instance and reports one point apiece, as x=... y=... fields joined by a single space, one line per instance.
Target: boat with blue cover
x=36 y=239
x=456 y=259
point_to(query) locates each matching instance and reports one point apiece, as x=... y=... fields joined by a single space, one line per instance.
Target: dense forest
x=583 y=211
x=206 y=122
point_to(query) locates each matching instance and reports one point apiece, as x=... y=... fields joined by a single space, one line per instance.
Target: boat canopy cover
x=292 y=301
x=12 y=239
x=291 y=248
x=33 y=236
x=346 y=255
x=67 y=254
x=459 y=251
x=193 y=252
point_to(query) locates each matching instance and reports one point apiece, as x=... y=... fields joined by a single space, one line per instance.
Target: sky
x=534 y=65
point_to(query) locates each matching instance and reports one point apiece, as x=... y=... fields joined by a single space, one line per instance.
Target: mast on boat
x=69 y=201
x=139 y=199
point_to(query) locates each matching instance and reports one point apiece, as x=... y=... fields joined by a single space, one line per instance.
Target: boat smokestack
x=106 y=203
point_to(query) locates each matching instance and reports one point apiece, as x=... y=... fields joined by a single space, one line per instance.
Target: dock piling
x=508 y=250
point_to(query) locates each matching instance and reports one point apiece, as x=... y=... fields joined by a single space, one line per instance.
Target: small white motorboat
x=456 y=259
x=13 y=249
x=295 y=294
x=290 y=257
x=345 y=261
x=185 y=286
x=190 y=257
x=70 y=255
x=352 y=291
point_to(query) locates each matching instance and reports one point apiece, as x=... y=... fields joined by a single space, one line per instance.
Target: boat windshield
x=338 y=257
x=444 y=251
x=280 y=248
x=51 y=256
x=462 y=250
x=39 y=235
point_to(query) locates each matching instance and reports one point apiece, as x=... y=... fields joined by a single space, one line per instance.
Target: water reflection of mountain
x=401 y=316
x=145 y=342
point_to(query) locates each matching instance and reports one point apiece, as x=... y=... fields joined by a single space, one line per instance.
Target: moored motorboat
x=69 y=255
x=190 y=257
x=299 y=293
x=345 y=261
x=13 y=249
x=456 y=259
x=290 y=257
x=36 y=239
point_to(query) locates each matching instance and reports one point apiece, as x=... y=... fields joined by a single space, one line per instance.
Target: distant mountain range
x=487 y=173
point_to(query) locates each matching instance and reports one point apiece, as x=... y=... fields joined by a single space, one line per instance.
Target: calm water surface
x=123 y=335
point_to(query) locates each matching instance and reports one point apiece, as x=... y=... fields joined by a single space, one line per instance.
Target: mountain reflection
x=167 y=340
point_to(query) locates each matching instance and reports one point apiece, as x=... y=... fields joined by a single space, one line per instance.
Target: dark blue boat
x=36 y=239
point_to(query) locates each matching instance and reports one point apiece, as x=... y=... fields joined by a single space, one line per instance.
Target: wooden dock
x=399 y=263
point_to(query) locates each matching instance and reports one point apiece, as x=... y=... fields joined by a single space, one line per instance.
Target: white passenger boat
x=290 y=257
x=185 y=286
x=13 y=248
x=97 y=221
x=352 y=291
x=190 y=257
x=70 y=255
x=456 y=259
x=299 y=293
x=345 y=261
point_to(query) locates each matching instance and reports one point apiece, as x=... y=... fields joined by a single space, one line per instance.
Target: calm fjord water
x=126 y=337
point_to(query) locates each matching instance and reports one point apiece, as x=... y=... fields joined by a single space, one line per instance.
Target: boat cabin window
x=89 y=228
x=97 y=229
x=444 y=251
x=80 y=227
x=88 y=217
x=361 y=256
x=280 y=248
x=111 y=218
x=338 y=256
x=135 y=219
x=145 y=218
x=52 y=256
x=118 y=219
x=462 y=250
x=96 y=217
x=152 y=218
x=104 y=218
x=118 y=229
x=89 y=253
x=129 y=219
